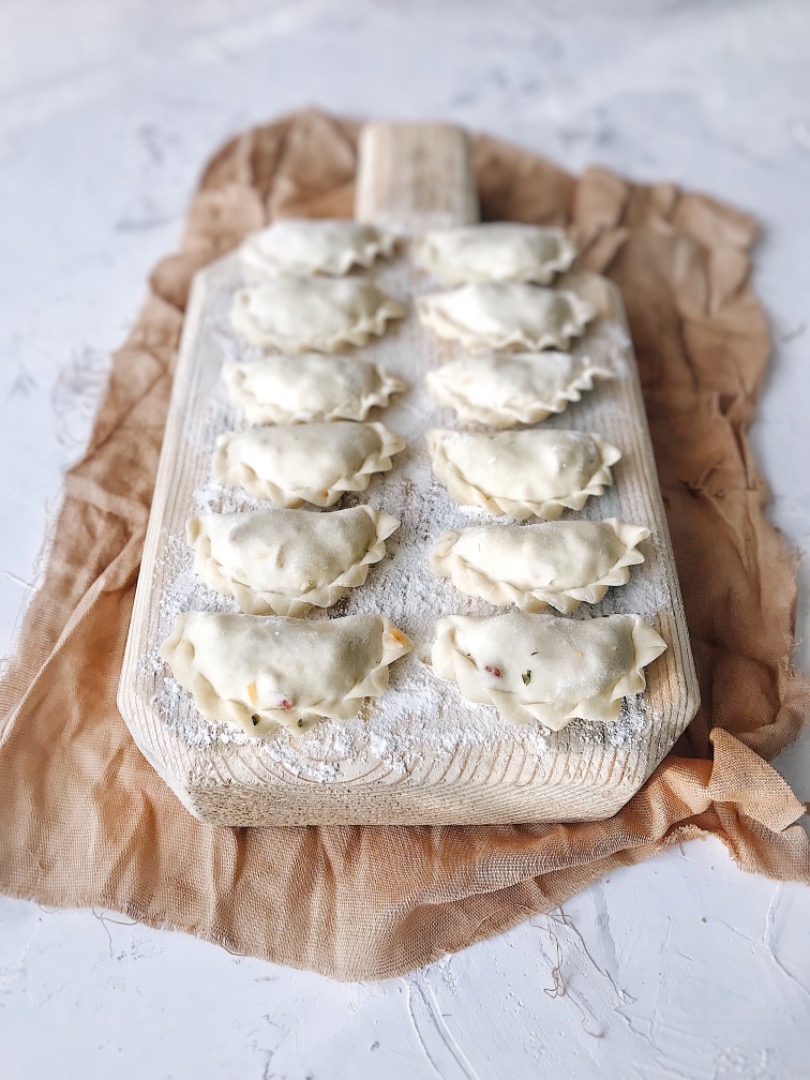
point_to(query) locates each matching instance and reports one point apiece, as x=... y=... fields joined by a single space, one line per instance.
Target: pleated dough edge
x=465 y=494
x=258 y=267
x=451 y=664
x=264 y=602
x=358 y=334
x=503 y=419
x=179 y=654
x=258 y=412
x=246 y=477
x=473 y=582
x=429 y=260
x=582 y=312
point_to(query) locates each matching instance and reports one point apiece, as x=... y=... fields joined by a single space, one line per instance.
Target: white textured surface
x=108 y=111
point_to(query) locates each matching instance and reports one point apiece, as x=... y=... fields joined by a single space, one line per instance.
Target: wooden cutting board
x=420 y=754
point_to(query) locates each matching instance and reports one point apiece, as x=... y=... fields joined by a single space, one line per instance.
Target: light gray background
x=683 y=967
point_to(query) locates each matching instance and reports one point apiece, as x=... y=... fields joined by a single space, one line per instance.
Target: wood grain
x=410 y=175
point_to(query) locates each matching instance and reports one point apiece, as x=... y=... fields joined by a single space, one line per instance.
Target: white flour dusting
x=419 y=714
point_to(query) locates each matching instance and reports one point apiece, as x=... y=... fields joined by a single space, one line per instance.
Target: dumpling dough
x=557 y=563
x=499 y=251
x=512 y=316
x=301 y=463
x=287 y=561
x=292 y=314
x=522 y=473
x=311 y=246
x=260 y=672
x=301 y=389
x=542 y=667
x=506 y=389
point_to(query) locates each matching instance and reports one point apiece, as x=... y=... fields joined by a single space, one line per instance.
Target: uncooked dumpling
x=287 y=561
x=512 y=316
x=556 y=563
x=308 y=387
x=268 y=671
x=543 y=667
x=313 y=463
x=497 y=251
x=293 y=315
x=311 y=246
x=506 y=389
x=522 y=473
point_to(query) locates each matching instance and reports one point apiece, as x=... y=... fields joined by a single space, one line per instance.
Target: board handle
x=415 y=175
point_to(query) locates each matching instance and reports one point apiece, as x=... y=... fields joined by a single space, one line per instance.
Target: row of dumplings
x=262 y=672
x=518 y=367
x=310 y=445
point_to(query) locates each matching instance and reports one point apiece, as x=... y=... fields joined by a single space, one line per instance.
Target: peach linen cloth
x=84 y=820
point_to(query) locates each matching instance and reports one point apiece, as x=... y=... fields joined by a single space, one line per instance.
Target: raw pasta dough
x=262 y=672
x=287 y=561
x=511 y=316
x=558 y=563
x=307 y=246
x=308 y=387
x=498 y=251
x=505 y=389
x=546 y=668
x=522 y=473
x=301 y=463
x=292 y=314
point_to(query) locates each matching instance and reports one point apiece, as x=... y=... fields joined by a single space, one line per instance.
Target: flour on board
x=420 y=714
